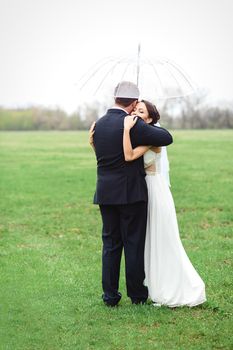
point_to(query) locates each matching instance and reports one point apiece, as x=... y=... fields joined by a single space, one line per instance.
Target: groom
x=121 y=193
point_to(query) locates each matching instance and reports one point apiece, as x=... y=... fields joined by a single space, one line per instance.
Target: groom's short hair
x=124 y=101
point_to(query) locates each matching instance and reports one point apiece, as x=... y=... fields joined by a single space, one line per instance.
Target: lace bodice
x=152 y=162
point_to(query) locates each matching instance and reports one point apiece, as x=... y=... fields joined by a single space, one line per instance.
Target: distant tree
x=183 y=113
x=90 y=113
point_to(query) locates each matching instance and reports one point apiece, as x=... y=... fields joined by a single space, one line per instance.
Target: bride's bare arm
x=130 y=153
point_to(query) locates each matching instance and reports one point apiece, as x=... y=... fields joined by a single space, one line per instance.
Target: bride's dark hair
x=152 y=111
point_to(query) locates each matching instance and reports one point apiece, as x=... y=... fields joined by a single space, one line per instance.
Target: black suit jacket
x=118 y=181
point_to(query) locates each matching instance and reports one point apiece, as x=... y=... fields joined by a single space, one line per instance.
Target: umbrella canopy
x=158 y=78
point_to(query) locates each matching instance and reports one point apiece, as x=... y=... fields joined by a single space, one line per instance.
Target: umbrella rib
x=105 y=76
x=156 y=74
x=126 y=68
x=173 y=76
x=182 y=73
x=101 y=61
x=95 y=72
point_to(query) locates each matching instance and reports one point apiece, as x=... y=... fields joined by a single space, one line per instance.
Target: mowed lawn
x=50 y=247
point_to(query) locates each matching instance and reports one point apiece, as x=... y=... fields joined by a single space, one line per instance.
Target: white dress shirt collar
x=116 y=107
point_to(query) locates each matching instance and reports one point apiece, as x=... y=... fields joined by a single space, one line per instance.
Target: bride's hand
x=91 y=134
x=156 y=149
x=130 y=121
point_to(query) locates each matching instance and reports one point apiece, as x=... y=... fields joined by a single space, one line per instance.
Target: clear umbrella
x=158 y=78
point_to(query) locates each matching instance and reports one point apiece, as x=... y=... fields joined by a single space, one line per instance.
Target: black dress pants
x=124 y=226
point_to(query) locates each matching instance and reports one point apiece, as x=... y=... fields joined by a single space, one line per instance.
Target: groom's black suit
x=121 y=193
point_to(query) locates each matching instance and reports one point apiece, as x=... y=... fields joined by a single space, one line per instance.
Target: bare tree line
x=193 y=112
x=183 y=113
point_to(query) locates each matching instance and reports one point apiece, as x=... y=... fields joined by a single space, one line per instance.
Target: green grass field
x=50 y=247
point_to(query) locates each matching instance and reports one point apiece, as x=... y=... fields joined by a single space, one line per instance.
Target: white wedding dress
x=170 y=276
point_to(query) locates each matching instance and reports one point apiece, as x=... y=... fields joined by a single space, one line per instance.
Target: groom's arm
x=145 y=134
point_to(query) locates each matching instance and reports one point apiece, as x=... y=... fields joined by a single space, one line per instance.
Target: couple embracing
x=137 y=208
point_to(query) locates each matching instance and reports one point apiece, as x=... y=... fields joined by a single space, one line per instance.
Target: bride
x=170 y=276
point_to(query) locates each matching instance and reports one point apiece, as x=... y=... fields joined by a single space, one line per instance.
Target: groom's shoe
x=111 y=301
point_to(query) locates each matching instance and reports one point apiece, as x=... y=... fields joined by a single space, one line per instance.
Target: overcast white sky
x=46 y=45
